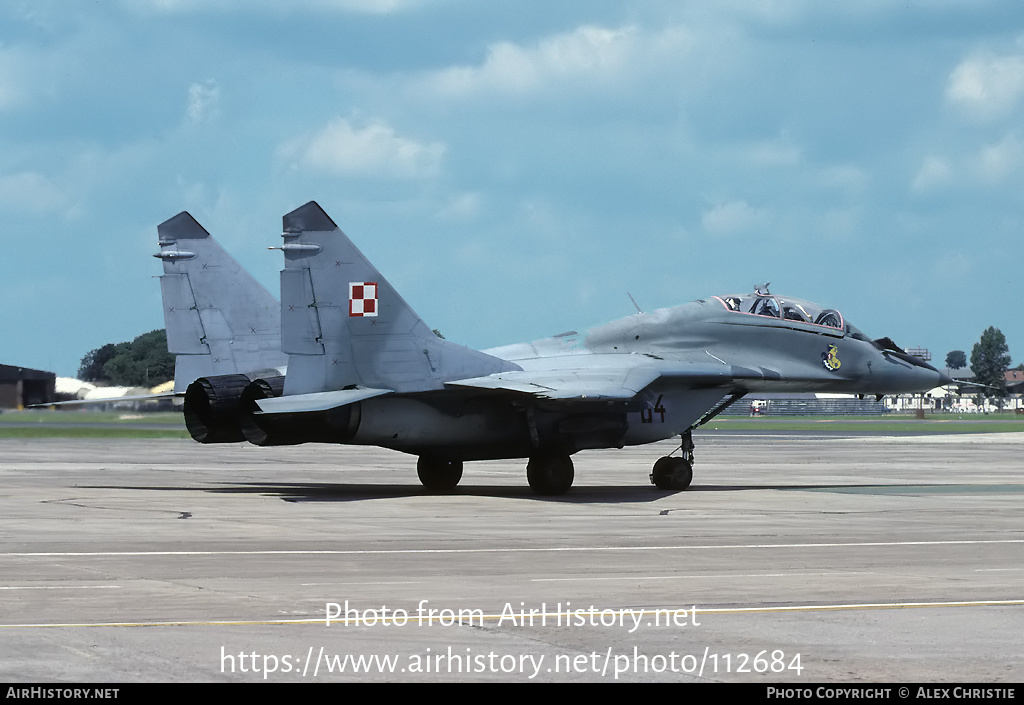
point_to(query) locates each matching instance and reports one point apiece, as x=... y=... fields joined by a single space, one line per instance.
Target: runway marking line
x=711 y=576
x=523 y=549
x=59 y=587
x=496 y=617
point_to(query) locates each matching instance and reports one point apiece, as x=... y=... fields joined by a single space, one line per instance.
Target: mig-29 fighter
x=364 y=369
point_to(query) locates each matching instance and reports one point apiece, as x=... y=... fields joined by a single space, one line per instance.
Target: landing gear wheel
x=672 y=473
x=550 y=474
x=439 y=474
x=675 y=473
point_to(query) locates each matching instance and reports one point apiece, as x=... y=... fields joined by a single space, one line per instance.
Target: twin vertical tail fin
x=344 y=326
x=342 y=329
x=219 y=319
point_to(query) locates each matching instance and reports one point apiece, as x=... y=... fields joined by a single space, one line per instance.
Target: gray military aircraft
x=364 y=369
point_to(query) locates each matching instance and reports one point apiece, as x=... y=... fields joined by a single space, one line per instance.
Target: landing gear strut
x=671 y=473
x=438 y=474
x=550 y=474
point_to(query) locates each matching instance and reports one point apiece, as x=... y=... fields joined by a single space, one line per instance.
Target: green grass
x=80 y=423
x=889 y=424
x=86 y=432
x=79 y=416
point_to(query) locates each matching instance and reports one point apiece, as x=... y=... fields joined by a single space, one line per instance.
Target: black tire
x=661 y=475
x=682 y=474
x=439 y=474
x=550 y=474
x=672 y=474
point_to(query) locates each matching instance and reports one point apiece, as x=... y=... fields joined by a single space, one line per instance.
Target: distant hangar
x=21 y=386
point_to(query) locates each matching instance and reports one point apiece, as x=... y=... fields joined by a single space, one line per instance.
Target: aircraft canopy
x=784 y=307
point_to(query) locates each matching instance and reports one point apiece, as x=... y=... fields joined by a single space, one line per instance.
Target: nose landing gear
x=675 y=473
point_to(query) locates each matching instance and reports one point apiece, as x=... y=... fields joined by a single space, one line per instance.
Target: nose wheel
x=675 y=473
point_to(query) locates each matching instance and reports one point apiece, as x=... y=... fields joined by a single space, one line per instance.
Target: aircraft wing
x=602 y=384
x=621 y=377
x=108 y=400
x=602 y=377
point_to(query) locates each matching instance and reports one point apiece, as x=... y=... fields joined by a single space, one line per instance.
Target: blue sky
x=515 y=168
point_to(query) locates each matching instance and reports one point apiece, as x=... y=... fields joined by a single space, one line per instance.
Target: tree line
x=143 y=362
x=990 y=359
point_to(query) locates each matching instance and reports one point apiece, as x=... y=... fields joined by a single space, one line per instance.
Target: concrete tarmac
x=793 y=558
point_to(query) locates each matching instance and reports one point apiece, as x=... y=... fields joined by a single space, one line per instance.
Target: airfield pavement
x=794 y=558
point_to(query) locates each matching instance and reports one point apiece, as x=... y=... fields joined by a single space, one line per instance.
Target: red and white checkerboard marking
x=362 y=299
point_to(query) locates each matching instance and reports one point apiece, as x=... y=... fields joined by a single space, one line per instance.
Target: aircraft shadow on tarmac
x=581 y=494
x=338 y=492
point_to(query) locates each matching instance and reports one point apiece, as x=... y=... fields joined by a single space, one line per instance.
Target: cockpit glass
x=759 y=304
x=765 y=306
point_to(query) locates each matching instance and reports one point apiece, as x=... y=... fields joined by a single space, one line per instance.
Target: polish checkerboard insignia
x=362 y=299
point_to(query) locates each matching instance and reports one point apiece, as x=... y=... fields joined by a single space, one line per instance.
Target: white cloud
x=774 y=153
x=935 y=172
x=18 y=71
x=588 y=53
x=30 y=191
x=846 y=177
x=955 y=266
x=996 y=162
x=990 y=165
x=203 y=99
x=9 y=93
x=341 y=149
x=375 y=7
x=987 y=87
x=463 y=206
x=732 y=217
x=837 y=225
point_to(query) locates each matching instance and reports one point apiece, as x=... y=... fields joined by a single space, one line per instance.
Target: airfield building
x=21 y=386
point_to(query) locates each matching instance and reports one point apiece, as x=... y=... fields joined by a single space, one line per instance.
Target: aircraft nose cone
x=927 y=377
x=922 y=379
x=906 y=373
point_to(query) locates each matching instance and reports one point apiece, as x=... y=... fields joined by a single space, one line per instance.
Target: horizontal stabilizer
x=317 y=401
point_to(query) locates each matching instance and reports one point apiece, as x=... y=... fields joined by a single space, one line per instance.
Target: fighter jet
x=364 y=369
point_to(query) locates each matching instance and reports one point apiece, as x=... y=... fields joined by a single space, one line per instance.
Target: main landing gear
x=550 y=474
x=671 y=473
x=439 y=474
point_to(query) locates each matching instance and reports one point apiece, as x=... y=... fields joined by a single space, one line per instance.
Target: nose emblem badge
x=830 y=358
